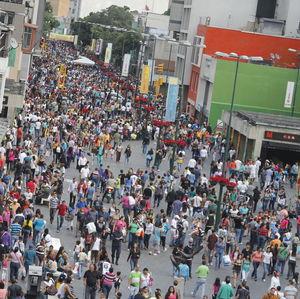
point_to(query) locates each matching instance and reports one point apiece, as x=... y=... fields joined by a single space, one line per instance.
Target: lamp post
x=297 y=80
x=238 y=59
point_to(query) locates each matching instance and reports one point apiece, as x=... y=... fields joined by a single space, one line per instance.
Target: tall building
x=21 y=28
x=66 y=12
x=74 y=10
x=272 y=17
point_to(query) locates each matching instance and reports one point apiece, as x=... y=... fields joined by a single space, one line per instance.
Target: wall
x=227 y=13
x=251 y=44
x=176 y=11
x=293 y=18
x=259 y=88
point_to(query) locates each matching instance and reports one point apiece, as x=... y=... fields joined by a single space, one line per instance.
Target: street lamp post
x=297 y=82
x=238 y=59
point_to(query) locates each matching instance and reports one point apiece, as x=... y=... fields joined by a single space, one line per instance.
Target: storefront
x=263 y=135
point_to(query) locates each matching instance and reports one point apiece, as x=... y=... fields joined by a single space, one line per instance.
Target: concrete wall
x=176 y=11
x=293 y=18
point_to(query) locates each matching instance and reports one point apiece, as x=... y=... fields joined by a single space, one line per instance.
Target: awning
x=84 y=61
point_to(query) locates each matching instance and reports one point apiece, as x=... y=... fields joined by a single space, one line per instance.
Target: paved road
x=159 y=265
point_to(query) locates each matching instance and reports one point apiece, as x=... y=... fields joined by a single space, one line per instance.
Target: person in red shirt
x=31 y=185
x=62 y=211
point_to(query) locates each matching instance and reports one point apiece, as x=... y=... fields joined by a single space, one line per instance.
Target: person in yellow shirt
x=275 y=241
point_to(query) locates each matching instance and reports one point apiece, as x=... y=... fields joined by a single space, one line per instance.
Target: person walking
x=134 y=281
x=201 y=273
x=127 y=153
x=257 y=257
x=226 y=291
x=91 y=282
x=108 y=281
x=62 y=211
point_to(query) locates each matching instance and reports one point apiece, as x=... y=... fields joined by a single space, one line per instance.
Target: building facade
x=208 y=73
x=271 y=17
x=24 y=20
x=66 y=12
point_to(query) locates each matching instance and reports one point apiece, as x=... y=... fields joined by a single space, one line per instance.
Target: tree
x=49 y=20
x=114 y=16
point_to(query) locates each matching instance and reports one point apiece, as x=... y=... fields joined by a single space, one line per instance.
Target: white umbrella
x=84 y=61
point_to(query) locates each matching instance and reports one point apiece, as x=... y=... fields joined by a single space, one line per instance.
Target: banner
x=152 y=68
x=126 y=64
x=98 y=48
x=289 y=94
x=108 y=53
x=144 y=88
x=171 y=105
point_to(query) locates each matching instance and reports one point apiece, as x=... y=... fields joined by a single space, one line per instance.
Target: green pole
x=295 y=93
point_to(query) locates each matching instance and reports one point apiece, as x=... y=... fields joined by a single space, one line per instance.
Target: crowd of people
x=87 y=123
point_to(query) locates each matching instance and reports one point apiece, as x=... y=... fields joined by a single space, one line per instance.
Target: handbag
x=52 y=290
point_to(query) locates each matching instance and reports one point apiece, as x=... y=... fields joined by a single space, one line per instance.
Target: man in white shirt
x=196 y=201
x=84 y=172
x=192 y=164
x=203 y=154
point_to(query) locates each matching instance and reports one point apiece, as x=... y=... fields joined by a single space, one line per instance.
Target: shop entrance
x=280 y=152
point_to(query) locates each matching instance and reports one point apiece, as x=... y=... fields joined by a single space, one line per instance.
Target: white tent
x=84 y=61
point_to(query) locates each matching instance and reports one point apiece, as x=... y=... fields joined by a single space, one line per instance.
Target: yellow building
x=60 y=7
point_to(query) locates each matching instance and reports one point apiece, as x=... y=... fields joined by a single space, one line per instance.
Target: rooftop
x=271 y=120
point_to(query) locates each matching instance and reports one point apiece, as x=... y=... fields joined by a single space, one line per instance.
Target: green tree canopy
x=115 y=16
x=49 y=20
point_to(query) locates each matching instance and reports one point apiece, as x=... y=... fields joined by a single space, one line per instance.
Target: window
x=5 y=100
x=4 y=112
x=197 y=50
x=3 y=44
x=7 y=17
x=27 y=36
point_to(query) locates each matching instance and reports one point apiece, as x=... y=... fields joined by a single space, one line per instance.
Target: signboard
x=126 y=64
x=270 y=135
x=289 y=94
x=98 y=48
x=108 y=53
x=144 y=88
x=171 y=105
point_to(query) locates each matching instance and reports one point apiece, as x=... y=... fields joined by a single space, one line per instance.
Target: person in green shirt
x=134 y=281
x=201 y=273
x=226 y=291
x=133 y=228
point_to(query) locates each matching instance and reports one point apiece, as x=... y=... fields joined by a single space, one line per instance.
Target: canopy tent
x=84 y=61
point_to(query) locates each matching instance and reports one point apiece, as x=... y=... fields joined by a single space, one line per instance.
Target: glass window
x=27 y=37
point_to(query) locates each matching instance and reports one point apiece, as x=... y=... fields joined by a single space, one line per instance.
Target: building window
x=3 y=44
x=27 y=37
x=7 y=18
x=197 y=50
x=4 y=112
x=5 y=100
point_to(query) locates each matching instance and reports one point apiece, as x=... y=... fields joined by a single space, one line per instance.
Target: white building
x=274 y=17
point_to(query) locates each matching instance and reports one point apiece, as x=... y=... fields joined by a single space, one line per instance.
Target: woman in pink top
x=3 y=291
x=171 y=294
